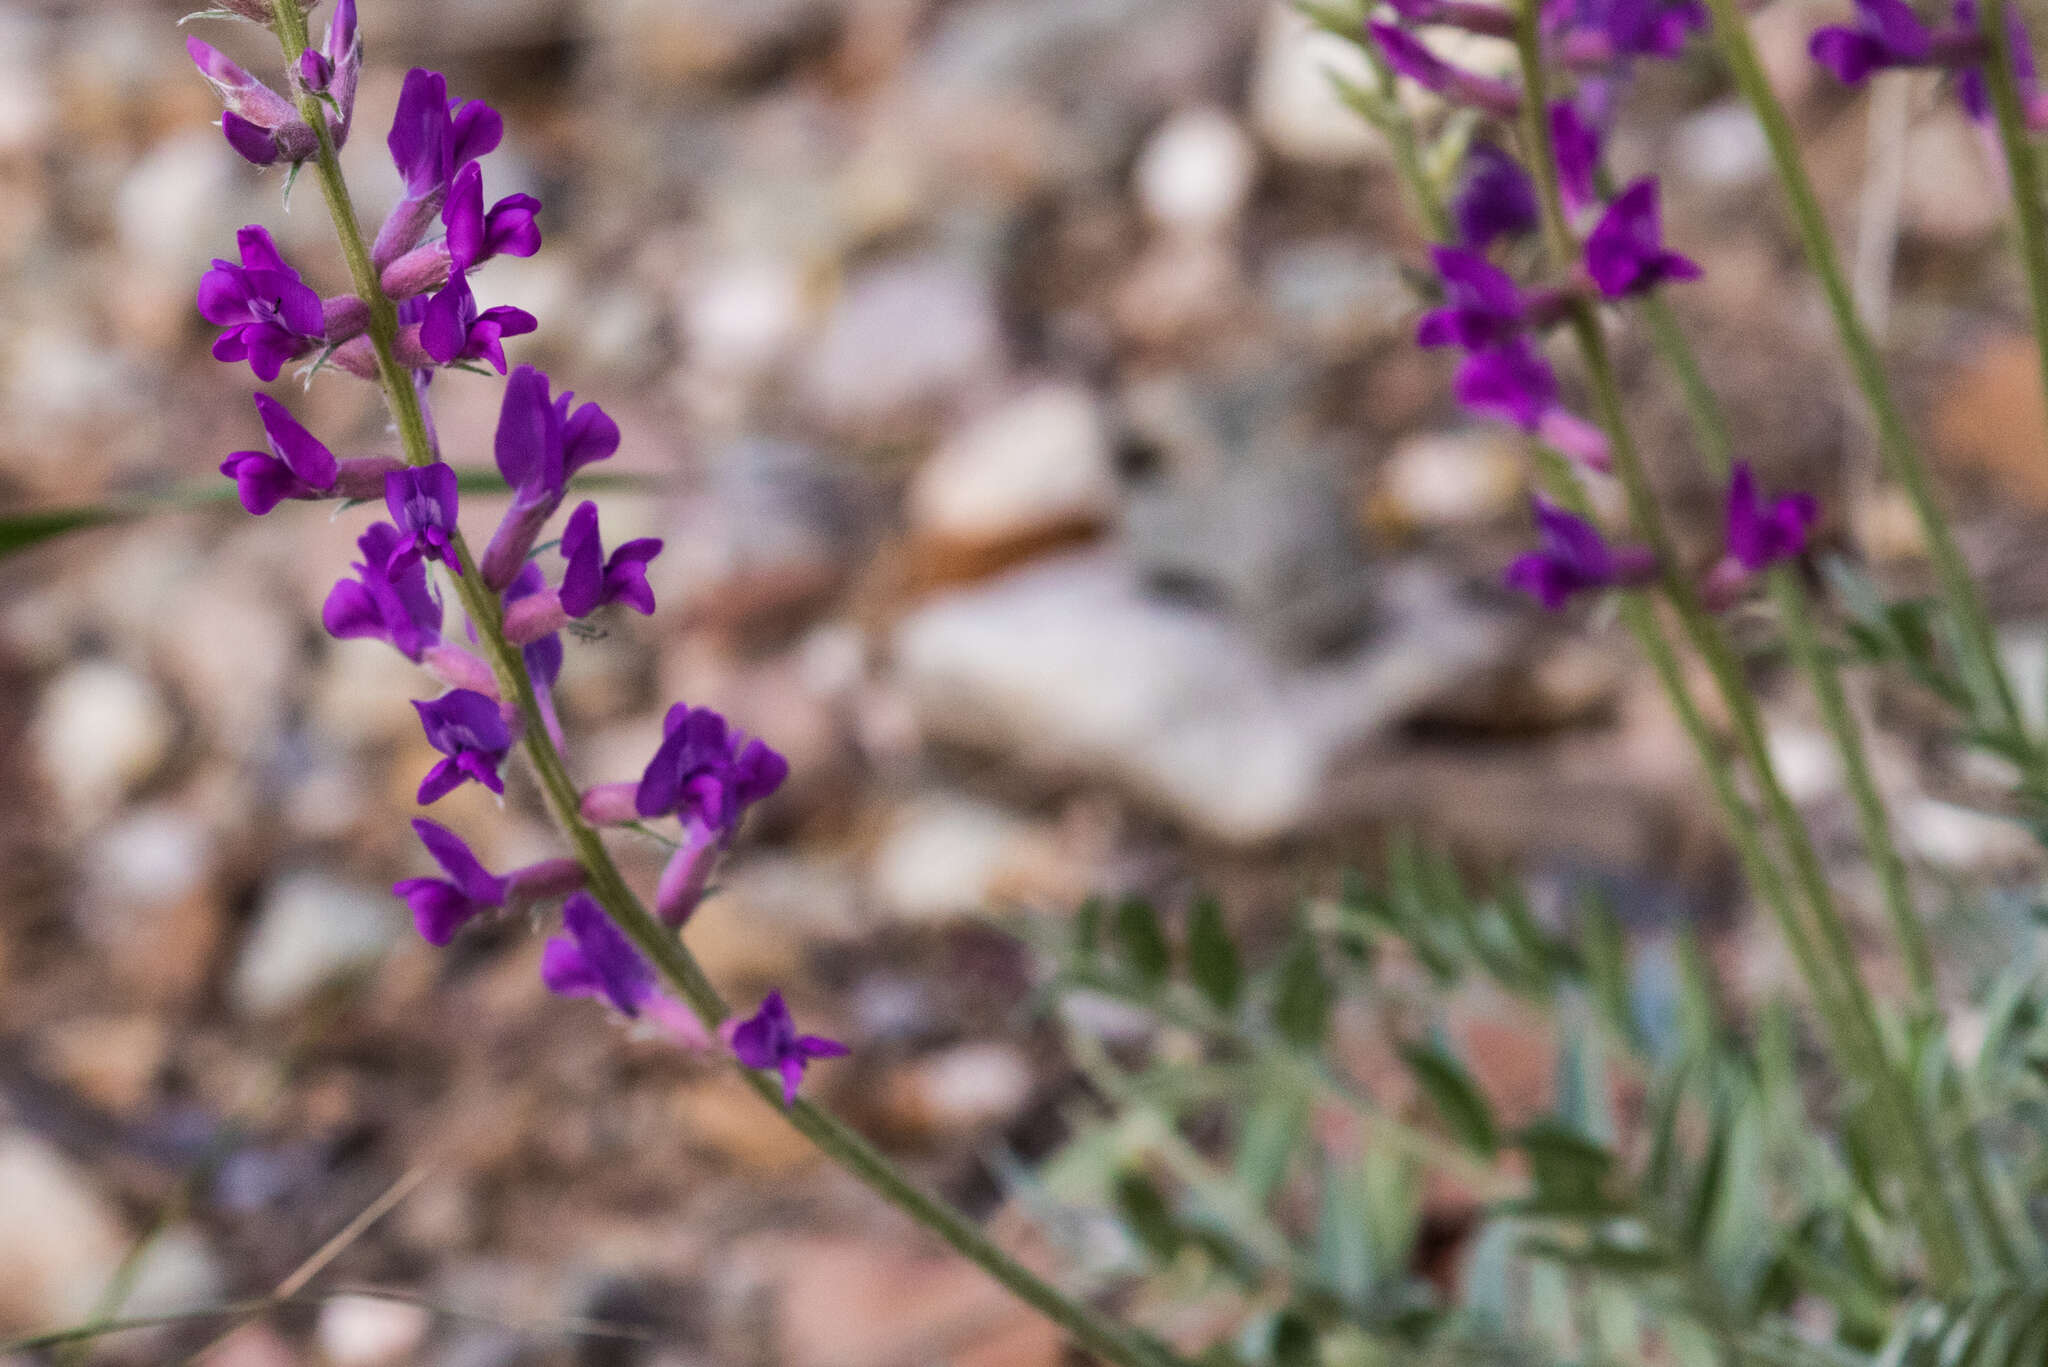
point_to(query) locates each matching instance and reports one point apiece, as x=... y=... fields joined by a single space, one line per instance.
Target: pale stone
x=1039 y=461
x=310 y=931
x=1196 y=171
x=101 y=729
x=371 y=1331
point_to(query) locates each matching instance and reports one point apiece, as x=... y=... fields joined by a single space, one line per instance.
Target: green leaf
x=1606 y=955
x=1141 y=942
x=19 y=531
x=1457 y=1098
x=1148 y=1216
x=1087 y=928
x=1273 y=1130
x=1212 y=955
x=1570 y=1170
x=1302 y=996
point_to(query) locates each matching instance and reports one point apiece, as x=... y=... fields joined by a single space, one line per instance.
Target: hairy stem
x=1902 y=458
x=678 y=967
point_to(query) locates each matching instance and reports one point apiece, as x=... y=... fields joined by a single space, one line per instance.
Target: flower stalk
x=673 y=961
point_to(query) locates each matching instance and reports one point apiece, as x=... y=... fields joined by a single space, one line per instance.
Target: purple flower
x=541 y=444
x=1574 y=558
x=267 y=314
x=1965 y=46
x=334 y=69
x=1887 y=33
x=396 y=607
x=1481 y=304
x=1406 y=54
x=541 y=647
x=1577 y=143
x=467 y=728
x=452 y=329
x=260 y=124
x=442 y=906
x=1600 y=32
x=433 y=137
x=707 y=773
x=422 y=501
x=1625 y=252
x=1509 y=382
x=1760 y=534
x=1474 y=16
x=768 y=1039
x=298 y=465
x=1494 y=198
x=474 y=235
x=591 y=581
x=595 y=960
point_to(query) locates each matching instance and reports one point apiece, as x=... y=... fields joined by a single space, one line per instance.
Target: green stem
x=1901 y=457
x=1827 y=957
x=677 y=966
x=2019 y=162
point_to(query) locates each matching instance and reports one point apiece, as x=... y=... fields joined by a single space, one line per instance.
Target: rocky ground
x=1044 y=468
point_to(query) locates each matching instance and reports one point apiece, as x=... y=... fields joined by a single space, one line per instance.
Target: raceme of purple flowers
x=705 y=773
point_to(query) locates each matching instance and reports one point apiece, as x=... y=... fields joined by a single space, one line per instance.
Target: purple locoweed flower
x=442 y=906
x=591 y=580
x=1494 y=198
x=468 y=728
x=1601 y=32
x=397 y=606
x=1574 y=559
x=1408 y=55
x=595 y=959
x=260 y=124
x=1577 y=145
x=1473 y=16
x=768 y=1039
x=1511 y=382
x=334 y=68
x=267 y=314
x=1970 y=86
x=1761 y=533
x=423 y=502
x=431 y=139
x=475 y=235
x=540 y=445
x=453 y=330
x=1625 y=252
x=298 y=465
x=1886 y=33
x=706 y=773
x=1482 y=305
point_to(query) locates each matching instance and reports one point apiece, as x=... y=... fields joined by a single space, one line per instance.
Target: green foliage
x=1698 y=1224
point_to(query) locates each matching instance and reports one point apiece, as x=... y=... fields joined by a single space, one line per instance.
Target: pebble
x=371 y=1331
x=960 y=1090
x=310 y=931
x=1069 y=666
x=1195 y=172
x=1722 y=146
x=1451 y=479
x=1037 y=462
x=1964 y=840
x=906 y=338
x=100 y=731
x=948 y=856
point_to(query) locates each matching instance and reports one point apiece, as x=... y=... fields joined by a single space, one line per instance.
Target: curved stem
x=1902 y=458
x=678 y=967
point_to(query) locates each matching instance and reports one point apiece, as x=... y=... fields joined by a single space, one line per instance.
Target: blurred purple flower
x=1601 y=32
x=1407 y=54
x=591 y=580
x=1887 y=33
x=768 y=1039
x=1511 y=382
x=1482 y=305
x=1625 y=252
x=267 y=314
x=423 y=502
x=1577 y=144
x=468 y=728
x=1494 y=199
x=1970 y=87
x=1761 y=533
x=442 y=906
x=1474 y=16
x=1574 y=558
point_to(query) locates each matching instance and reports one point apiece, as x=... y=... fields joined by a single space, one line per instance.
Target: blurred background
x=1027 y=400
